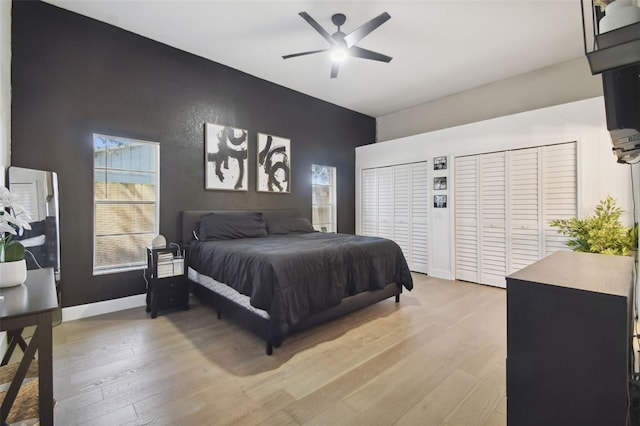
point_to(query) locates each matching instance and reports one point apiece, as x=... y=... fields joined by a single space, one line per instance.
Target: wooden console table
x=30 y=304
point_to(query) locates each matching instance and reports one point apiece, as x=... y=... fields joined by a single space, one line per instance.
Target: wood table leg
x=15 y=338
x=16 y=382
x=45 y=368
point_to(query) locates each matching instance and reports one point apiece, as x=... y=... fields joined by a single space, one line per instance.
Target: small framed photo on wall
x=439 y=201
x=440 y=182
x=440 y=163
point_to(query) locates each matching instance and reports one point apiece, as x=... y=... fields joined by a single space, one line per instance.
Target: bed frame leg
x=269 y=349
x=218 y=308
x=398 y=298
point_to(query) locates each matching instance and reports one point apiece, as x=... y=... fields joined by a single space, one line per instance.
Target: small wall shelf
x=615 y=49
x=609 y=50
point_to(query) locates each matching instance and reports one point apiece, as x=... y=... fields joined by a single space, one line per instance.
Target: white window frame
x=133 y=265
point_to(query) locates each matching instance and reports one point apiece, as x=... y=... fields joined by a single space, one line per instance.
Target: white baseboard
x=441 y=273
x=98 y=308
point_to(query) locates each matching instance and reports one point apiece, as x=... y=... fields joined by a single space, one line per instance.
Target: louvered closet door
x=524 y=208
x=541 y=184
x=559 y=199
x=493 y=246
x=466 y=217
x=369 y=202
x=385 y=202
x=419 y=211
x=401 y=205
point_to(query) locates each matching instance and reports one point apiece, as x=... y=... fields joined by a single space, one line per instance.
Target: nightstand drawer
x=168 y=300
x=170 y=287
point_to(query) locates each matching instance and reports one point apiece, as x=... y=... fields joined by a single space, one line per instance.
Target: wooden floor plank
x=323 y=399
x=437 y=404
x=477 y=408
x=437 y=356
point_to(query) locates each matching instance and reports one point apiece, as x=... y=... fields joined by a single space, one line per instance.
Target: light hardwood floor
x=437 y=358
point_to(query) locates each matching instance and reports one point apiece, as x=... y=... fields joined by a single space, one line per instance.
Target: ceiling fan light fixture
x=339 y=54
x=342 y=45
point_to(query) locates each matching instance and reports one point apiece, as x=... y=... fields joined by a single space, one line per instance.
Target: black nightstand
x=167 y=283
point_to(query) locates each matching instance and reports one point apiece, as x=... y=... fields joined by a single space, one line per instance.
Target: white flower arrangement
x=13 y=221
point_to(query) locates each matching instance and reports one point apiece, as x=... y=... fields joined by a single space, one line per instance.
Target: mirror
x=37 y=192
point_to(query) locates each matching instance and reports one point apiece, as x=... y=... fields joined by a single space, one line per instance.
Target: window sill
x=118 y=270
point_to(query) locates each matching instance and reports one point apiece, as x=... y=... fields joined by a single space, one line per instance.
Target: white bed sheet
x=225 y=291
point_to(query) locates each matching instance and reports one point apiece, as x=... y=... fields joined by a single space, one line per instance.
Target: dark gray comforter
x=293 y=276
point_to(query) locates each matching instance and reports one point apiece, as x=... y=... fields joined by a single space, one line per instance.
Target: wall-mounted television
x=622 y=103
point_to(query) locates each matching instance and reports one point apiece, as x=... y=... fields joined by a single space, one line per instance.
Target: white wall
x=554 y=85
x=582 y=121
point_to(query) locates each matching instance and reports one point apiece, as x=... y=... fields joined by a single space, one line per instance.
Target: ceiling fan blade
x=359 y=52
x=293 y=55
x=335 y=66
x=362 y=31
x=317 y=27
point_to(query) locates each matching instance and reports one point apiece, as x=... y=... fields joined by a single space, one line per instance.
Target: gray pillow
x=229 y=226
x=288 y=225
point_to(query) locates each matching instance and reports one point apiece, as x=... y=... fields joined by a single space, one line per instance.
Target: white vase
x=13 y=273
x=618 y=14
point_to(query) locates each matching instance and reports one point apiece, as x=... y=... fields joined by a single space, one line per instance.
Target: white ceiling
x=438 y=47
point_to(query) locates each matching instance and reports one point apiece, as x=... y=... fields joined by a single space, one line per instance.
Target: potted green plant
x=13 y=221
x=601 y=233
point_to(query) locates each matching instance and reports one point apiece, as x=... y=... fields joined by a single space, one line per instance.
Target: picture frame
x=226 y=158
x=439 y=182
x=440 y=163
x=440 y=201
x=274 y=164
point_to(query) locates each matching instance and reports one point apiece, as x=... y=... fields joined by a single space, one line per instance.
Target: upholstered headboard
x=191 y=217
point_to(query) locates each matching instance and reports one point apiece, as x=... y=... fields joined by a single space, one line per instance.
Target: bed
x=274 y=275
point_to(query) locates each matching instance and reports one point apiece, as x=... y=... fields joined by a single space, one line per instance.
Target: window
x=324 y=200
x=126 y=202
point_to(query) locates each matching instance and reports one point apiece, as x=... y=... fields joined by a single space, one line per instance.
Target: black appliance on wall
x=622 y=103
x=614 y=51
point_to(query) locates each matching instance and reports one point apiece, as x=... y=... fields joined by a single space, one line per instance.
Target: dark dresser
x=569 y=331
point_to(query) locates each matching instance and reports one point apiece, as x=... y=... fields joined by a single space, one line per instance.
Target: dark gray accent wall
x=73 y=76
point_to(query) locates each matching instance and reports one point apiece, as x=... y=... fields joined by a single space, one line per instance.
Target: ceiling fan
x=342 y=45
